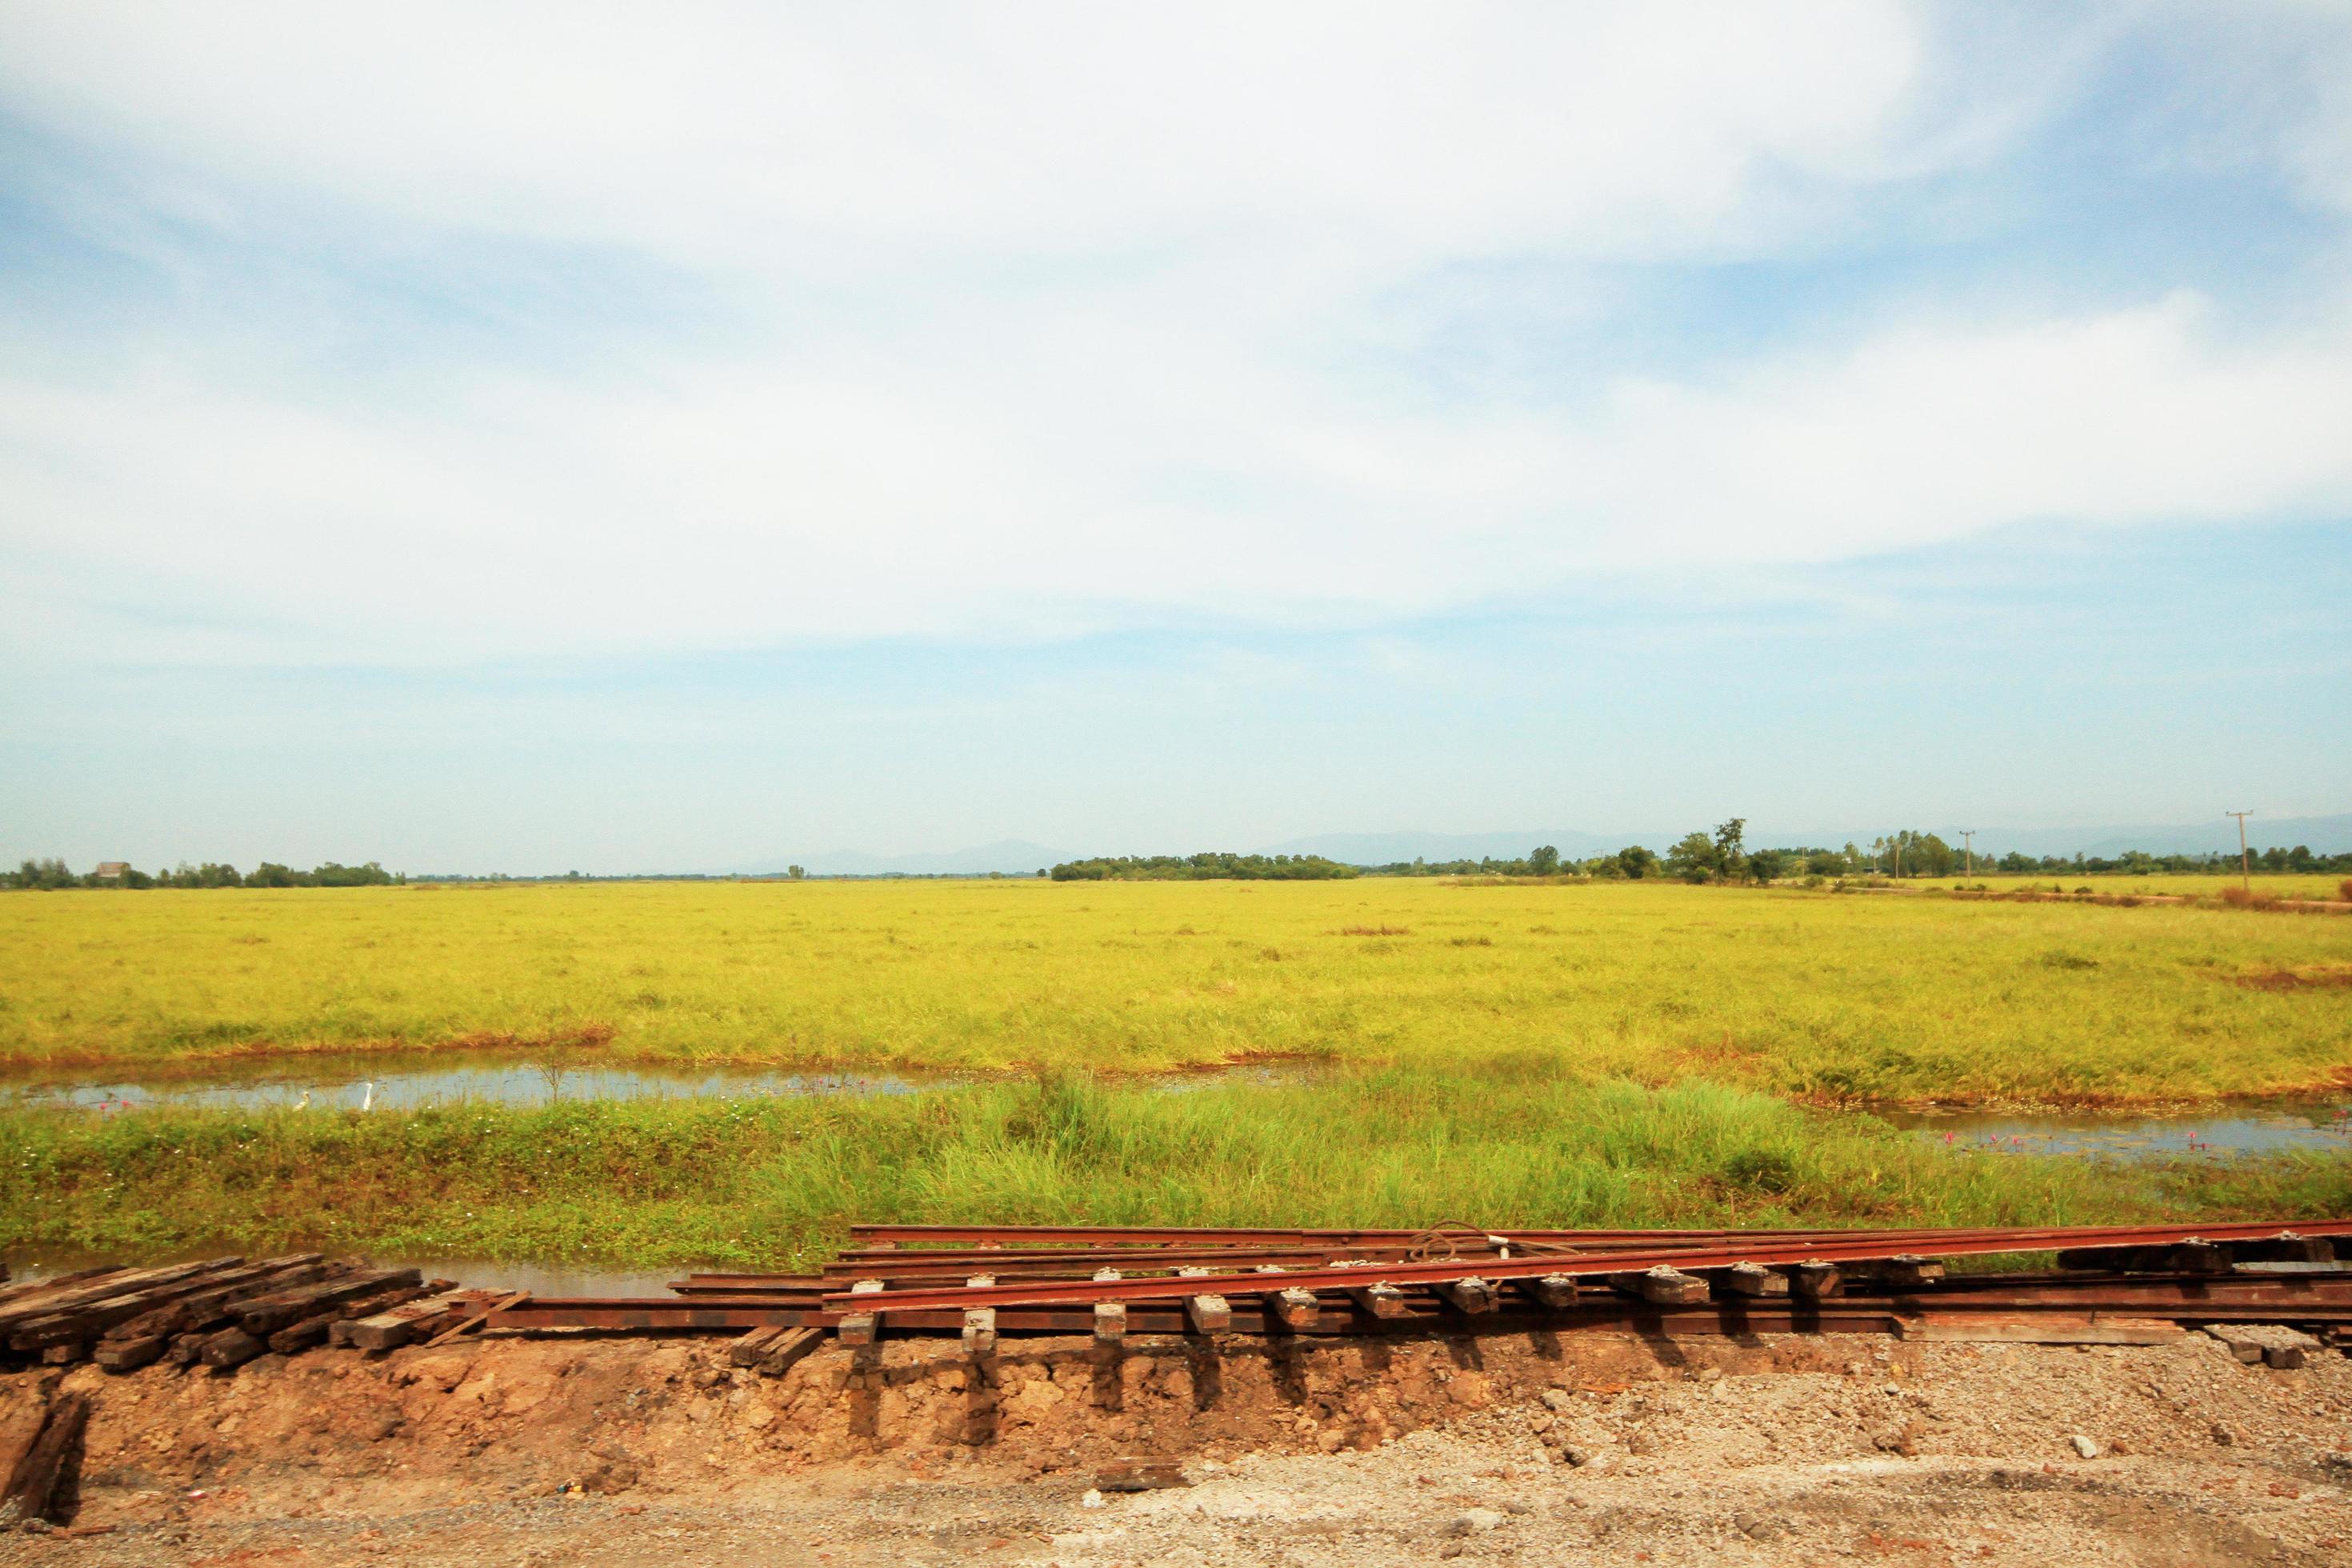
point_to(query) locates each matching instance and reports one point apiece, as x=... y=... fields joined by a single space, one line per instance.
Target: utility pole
x=1969 y=847
x=2245 y=867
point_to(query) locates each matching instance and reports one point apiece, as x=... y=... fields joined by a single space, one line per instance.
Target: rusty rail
x=1109 y=1282
x=1862 y=1247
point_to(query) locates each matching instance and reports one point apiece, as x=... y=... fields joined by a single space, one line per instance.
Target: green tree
x=1767 y=864
x=1729 y=859
x=1693 y=858
x=1544 y=861
x=795 y=872
x=1636 y=862
x=1934 y=857
x=334 y=874
x=44 y=876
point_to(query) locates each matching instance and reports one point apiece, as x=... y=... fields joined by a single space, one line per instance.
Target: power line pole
x=1969 y=847
x=2245 y=867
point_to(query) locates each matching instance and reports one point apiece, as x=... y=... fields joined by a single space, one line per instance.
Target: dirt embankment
x=1566 y=1448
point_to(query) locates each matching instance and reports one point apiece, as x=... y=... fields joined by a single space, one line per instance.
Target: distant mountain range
x=1384 y=848
x=1018 y=856
x=2320 y=835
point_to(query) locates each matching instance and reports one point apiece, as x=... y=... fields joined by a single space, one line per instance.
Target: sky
x=529 y=438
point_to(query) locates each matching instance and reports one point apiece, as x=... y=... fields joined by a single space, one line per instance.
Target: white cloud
x=746 y=507
x=1105 y=264
x=901 y=135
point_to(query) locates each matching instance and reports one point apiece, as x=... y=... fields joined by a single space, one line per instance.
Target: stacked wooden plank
x=221 y=1312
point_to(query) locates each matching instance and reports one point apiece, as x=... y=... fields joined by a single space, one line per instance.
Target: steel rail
x=890 y=1262
x=954 y=1242
x=2091 y=1235
x=1145 y=1235
x=2071 y=1292
x=889 y=1237
x=2184 y=1300
x=1865 y=1249
x=861 y=1264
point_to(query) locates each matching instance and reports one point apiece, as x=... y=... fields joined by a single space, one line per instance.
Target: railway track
x=983 y=1281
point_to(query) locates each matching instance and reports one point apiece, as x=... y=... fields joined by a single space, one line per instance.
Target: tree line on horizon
x=51 y=875
x=1700 y=855
x=1207 y=867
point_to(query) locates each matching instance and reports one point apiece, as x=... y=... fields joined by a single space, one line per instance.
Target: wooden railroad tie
x=1207 y=1314
x=1815 y=1281
x=28 y=1487
x=1111 y=1317
x=1904 y=1270
x=1471 y=1297
x=1751 y=1279
x=396 y=1326
x=1138 y=1475
x=1291 y=1306
x=859 y=1328
x=774 y=1351
x=1665 y=1285
x=1552 y=1292
x=980 y=1322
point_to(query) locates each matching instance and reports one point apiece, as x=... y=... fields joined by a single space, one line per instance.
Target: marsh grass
x=773 y=1183
x=1807 y=995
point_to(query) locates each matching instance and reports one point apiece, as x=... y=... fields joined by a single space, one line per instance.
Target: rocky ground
x=1538 y=1448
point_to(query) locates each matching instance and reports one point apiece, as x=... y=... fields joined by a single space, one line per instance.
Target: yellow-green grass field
x=1810 y=994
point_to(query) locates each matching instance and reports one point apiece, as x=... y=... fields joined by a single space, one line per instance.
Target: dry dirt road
x=1529 y=1448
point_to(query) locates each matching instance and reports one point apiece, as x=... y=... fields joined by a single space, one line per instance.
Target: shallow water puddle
x=405 y=1083
x=2320 y=1126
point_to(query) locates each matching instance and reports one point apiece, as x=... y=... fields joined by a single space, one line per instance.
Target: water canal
x=406 y=1082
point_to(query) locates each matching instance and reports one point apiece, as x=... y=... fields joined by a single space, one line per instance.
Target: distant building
x=110 y=870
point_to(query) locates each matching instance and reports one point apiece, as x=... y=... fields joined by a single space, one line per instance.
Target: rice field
x=1807 y=995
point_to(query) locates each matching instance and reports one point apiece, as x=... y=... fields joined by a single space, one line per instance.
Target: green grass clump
x=1810 y=994
x=773 y=1183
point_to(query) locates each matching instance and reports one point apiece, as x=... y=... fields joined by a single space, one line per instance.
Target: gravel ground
x=1581 y=1451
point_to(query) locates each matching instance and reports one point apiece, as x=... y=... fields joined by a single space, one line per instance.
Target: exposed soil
x=1531 y=1448
x=2320 y=977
